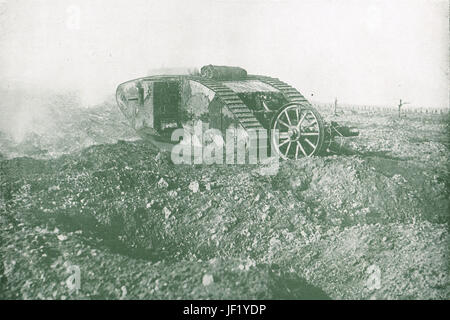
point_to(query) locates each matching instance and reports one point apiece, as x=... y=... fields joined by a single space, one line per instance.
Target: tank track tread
x=289 y=92
x=241 y=112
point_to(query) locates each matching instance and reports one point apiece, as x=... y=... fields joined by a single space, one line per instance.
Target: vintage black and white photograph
x=223 y=150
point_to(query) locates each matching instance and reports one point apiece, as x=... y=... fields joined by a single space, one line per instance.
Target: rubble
x=311 y=230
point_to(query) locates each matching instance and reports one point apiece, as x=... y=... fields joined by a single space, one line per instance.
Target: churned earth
x=79 y=189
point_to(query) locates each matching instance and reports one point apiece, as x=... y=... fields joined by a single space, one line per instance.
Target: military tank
x=224 y=97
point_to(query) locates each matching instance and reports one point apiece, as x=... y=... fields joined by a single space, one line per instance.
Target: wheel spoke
x=287 y=116
x=296 y=151
x=310 y=134
x=301 y=120
x=301 y=147
x=297 y=115
x=283 y=135
x=281 y=144
x=288 y=147
x=312 y=123
x=310 y=143
x=283 y=123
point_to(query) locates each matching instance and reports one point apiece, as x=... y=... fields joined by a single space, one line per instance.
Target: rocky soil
x=85 y=192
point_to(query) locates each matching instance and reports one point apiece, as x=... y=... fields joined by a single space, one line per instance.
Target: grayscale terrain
x=79 y=188
x=91 y=210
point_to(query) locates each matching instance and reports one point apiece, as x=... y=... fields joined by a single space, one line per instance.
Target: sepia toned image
x=224 y=150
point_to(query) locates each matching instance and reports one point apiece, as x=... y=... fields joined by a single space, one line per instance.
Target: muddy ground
x=80 y=189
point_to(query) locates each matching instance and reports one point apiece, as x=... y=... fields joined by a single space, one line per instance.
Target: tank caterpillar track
x=290 y=93
x=232 y=101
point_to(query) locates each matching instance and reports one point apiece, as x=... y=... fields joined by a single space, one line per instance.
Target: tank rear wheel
x=297 y=131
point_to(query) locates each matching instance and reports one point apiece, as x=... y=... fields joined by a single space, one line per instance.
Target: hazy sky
x=364 y=52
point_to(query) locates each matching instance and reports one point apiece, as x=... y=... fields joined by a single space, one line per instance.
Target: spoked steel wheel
x=297 y=131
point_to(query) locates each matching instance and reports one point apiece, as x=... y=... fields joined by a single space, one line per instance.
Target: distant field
x=72 y=194
x=406 y=109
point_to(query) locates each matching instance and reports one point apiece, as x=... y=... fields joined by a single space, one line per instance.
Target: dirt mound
x=37 y=264
x=326 y=219
x=138 y=226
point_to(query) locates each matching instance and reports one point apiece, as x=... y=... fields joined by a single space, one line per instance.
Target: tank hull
x=223 y=98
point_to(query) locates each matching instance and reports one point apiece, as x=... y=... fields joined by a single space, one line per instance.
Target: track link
x=240 y=111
